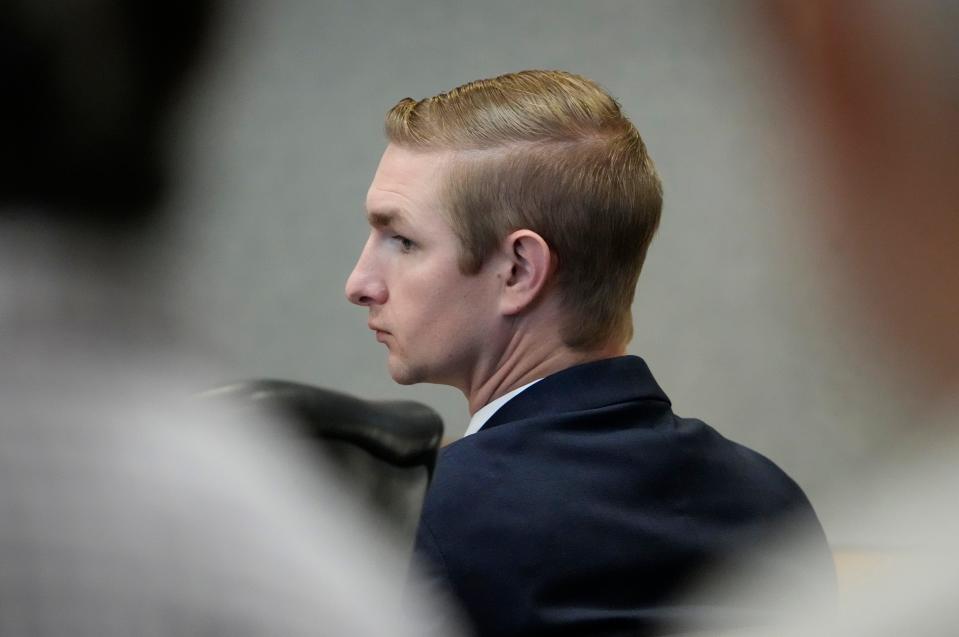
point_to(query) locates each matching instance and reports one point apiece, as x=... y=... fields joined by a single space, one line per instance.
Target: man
x=510 y=218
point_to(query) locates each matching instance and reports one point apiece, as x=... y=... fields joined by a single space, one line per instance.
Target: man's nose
x=364 y=285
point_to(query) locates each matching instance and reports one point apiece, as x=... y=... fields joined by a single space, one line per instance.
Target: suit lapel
x=587 y=386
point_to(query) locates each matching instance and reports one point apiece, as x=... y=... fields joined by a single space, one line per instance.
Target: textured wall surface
x=736 y=310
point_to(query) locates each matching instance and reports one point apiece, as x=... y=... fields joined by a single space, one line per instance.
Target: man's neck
x=526 y=360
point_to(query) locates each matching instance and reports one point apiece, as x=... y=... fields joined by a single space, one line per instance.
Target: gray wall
x=736 y=309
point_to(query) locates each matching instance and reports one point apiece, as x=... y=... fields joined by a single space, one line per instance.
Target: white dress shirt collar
x=486 y=412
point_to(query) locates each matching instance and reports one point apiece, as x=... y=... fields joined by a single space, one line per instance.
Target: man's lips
x=380 y=332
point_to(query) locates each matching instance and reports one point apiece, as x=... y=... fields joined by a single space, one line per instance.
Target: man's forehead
x=406 y=183
x=401 y=168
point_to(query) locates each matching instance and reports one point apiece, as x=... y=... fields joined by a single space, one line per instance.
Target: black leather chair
x=383 y=451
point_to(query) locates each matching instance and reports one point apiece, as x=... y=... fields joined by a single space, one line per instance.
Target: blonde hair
x=565 y=163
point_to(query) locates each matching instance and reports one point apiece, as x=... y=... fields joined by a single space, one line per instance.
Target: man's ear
x=529 y=265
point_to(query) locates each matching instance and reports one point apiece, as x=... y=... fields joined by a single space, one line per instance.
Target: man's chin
x=403 y=380
x=402 y=373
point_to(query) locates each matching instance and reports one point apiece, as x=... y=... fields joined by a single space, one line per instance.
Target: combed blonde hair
x=559 y=158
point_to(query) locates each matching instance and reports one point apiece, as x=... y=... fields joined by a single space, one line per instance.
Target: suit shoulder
x=742 y=467
x=460 y=464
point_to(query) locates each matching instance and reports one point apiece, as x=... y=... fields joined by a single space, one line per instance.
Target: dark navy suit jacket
x=584 y=506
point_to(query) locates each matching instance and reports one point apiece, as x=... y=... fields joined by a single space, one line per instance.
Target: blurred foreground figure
x=879 y=95
x=125 y=509
x=880 y=101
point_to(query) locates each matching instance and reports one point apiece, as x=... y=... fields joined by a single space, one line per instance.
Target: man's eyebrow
x=383 y=218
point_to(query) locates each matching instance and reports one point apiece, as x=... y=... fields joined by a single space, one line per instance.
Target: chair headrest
x=403 y=433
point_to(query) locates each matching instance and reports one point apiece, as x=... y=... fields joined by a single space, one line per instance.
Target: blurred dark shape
x=384 y=451
x=877 y=86
x=87 y=86
x=126 y=507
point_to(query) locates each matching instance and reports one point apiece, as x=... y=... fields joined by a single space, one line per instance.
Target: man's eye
x=405 y=244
